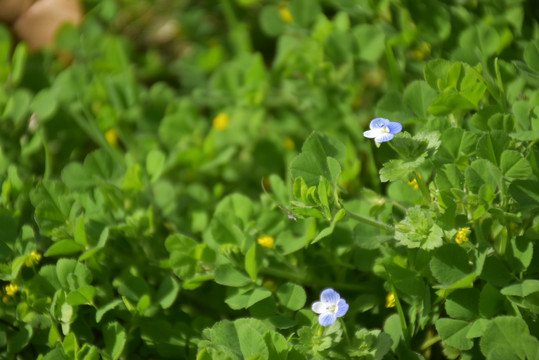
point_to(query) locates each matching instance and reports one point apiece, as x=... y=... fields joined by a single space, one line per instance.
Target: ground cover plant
x=257 y=179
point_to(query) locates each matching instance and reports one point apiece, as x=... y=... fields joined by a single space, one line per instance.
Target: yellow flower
x=289 y=143
x=422 y=51
x=285 y=14
x=112 y=137
x=390 y=300
x=220 y=122
x=414 y=184
x=11 y=289
x=269 y=284
x=33 y=259
x=462 y=235
x=266 y=241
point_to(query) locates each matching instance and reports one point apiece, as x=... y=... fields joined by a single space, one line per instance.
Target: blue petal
x=330 y=296
x=394 y=127
x=343 y=308
x=326 y=319
x=384 y=137
x=378 y=123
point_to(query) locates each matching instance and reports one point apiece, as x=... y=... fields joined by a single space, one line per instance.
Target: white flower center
x=385 y=130
x=331 y=308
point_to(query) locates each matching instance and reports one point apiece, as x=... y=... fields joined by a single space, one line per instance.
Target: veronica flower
x=330 y=307
x=382 y=130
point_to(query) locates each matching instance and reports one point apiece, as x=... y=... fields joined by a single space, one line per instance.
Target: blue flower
x=330 y=307
x=382 y=130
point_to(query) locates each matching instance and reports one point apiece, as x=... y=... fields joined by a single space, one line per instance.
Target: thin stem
x=309 y=281
x=429 y=342
x=345 y=331
x=369 y=221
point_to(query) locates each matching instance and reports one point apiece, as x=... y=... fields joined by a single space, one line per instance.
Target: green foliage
x=155 y=201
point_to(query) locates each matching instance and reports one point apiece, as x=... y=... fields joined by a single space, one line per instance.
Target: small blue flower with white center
x=330 y=307
x=382 y=130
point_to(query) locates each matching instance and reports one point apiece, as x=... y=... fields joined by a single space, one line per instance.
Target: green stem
x=369 y=221
x=402 y=318
x=345 y=331
x=429 y=342
x=308 y=281
x=228 y=11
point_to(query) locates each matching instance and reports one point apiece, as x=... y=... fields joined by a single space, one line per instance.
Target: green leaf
x=253 y=258
x=453 y=332
x=394 y=170
x=21 y=338
x=525 y=193
x=505 y=335
x=531 y=55
x=133 y=179
x=329 y=229
x=72 y=274
x=115 y=339
x=450 y=264
x=82 y=296
x=482 y=37
x=18 y=62
x=53 y=205
x=522 y=289
x=313 y=160
x=155 y=162
x=106 y=308
x=463 y=304
x=291 y=296
x=277 y=345
x=437 y=72
x=246 y=299
x=64 y=247
x=304 y=12
x=243 y=338
x=167 y=292
x=514 y=166
x=370 y=40
x=418 y=229
x=481 y=172
x=229 y=276
x=456 y=143
x=44 y=104
x=520 y=253
x=270 y=21
x=491 y=145
x=418 y=96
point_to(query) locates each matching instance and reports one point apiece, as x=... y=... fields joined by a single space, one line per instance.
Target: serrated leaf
x=514 y=166
x=453 y=332
x=506 y=335
x=450 y=264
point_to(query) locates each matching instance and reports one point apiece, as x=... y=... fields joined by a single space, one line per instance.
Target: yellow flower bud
x=266 y=241
x=220 y=122
x=422 y=51
x=11 y=289
x=289 y=143
x=390 y=300
x=285 y=14
x=112 y=137
x=462 y=235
